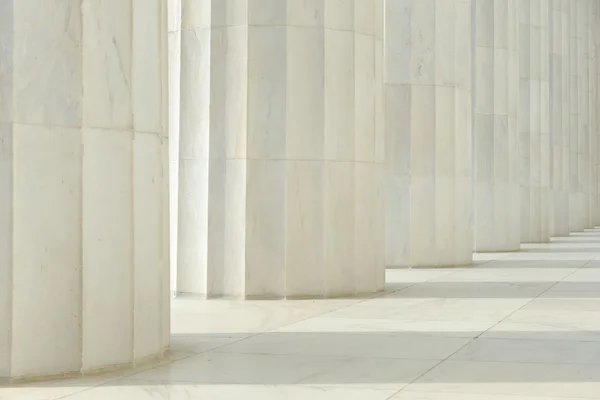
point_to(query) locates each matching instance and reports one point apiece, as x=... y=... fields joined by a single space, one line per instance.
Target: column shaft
x=281 y=149
x=534 y=120
x=559 y=117
x=592 y=115
x=195 y=89
x=584 y=92
x=84 y=166
x=495 y=134
x=575 y=53
x=428 y=132
x=595 y=110
x=174 y=51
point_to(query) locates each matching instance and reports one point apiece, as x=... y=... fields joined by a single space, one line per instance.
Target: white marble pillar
x=584 y=93
x=559 y=118
x=281 y=149
x=567 y=105
x=575 y=53
x=592 y=115
x=495 y=134
x=428 y=132
x=83 y=185
x=534 y=120
x=595 y=111
x=195 y=89
x=174 y=51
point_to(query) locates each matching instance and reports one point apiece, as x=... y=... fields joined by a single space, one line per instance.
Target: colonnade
x=483 y=113
x=273 y=149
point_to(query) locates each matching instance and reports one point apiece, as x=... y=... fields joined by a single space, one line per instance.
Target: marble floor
x=515 y=326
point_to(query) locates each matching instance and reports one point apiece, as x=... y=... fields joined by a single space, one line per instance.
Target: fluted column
x=559 y=118
x=428 y=132
x=84 y=257
x=495 y=125
x=174 y=51
x=592 y=149
x=195 y=89
x=534 y=120
x=281 y=149
x=585 y=117
x=595 y=110
x=575 y=54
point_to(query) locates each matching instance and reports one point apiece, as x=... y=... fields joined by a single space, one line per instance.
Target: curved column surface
x=595 y=110
x=195 y=89
x=585 y=117
x=281 y=149
x=534 y=120
x=174 y=51
x=83 y=186
x=559 y=117
x=428 y=132
x=575 y=154
x=495 y=134
x=592 y=149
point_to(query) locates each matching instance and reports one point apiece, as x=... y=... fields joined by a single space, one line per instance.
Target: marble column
x=195 y=89
x=281 y=151
x=495 y=134
x=84 y=257
x=576 y=54
x=584 y=93
x=592 y=115
x=559 y=117
x=174 y=51
x=595 y=110
x=428 y=132
x=534 y=120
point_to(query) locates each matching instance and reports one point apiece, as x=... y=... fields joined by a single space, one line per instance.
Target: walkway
x=516 y=326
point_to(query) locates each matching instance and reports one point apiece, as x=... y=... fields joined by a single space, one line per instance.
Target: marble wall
x=84 y=185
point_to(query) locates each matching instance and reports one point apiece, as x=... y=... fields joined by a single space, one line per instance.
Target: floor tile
x=530 y=351
x=136 y=390
x=404 y=395
x=269 y=369
x=433 y=309
x=54 y=389
x=198 y=343
x=350 y=344
x=472 y=290
x=519 y=379
x=513 y=326
x=463 y=329
x=224 y=318
x=498 y=271
x=544 y=331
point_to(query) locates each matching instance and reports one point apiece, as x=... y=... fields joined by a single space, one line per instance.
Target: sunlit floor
x=513 y=326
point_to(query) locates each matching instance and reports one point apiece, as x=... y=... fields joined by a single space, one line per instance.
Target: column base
x=361 y=295
x=142 y=362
